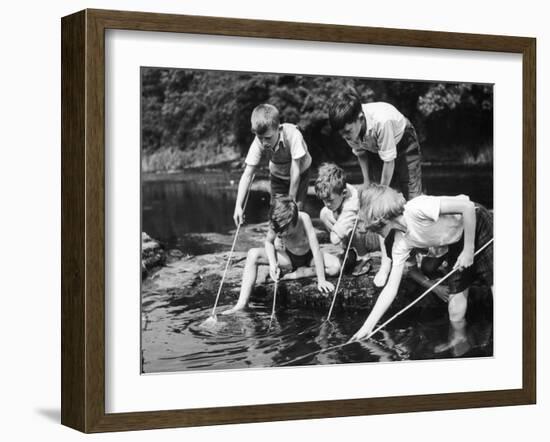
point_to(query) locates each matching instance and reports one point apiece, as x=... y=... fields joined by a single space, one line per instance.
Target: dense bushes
x=200 y=117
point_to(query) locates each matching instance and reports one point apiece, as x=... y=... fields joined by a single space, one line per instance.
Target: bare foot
x=383 y=273
x=291 y=275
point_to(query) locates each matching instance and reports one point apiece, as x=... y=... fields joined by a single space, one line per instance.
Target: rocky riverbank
x=191 y=276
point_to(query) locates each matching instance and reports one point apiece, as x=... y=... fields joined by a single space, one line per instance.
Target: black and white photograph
x=303 y=220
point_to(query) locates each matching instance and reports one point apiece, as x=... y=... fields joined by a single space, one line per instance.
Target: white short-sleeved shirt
x=291 y=146
x=385 y=128
x=345 y=216
x=426 y=227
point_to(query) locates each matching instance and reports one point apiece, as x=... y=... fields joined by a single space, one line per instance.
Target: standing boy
x=429 y=221
x=386 y=146
x=300 y=251
x=289 y=159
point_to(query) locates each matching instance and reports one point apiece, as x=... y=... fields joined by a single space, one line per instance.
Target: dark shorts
x=299 y=260
x=281 y=187
x=482 y=268
x=407 y=174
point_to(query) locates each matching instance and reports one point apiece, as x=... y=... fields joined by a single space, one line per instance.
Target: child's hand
x=274 y=272
x=325 y=286
x=464 y=260
x=238 y=215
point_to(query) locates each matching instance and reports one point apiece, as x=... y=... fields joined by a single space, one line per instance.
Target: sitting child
x=301 y=251
x=340 y=212
x=423 y=222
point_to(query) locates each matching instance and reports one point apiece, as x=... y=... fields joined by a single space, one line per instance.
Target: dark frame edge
x=73 y=257
x=529 y=220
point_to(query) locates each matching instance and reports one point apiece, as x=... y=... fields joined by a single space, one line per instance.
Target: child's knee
x=253 y=255
x=458 y=304
x=332 y=266
x=332 y=269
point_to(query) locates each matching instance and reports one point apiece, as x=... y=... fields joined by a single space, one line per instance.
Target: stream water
x=181 y=210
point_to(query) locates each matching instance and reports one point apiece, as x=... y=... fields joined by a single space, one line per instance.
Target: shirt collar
x=280 y=143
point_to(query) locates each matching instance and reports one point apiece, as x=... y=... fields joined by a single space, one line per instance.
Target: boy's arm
x=294 y=179
x=382 y=303
x=387 y=172
x=322 y=283
x=364 y=164
x=342 y=228
x=387 y=152
x=467 y=209
x=271 y=254
x=238 y=214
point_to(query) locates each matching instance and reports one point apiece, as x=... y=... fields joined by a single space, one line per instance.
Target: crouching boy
x=423 y=222
x=341 y=206
x=300 y=251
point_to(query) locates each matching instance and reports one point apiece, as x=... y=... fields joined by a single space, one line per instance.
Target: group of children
x=390 y=203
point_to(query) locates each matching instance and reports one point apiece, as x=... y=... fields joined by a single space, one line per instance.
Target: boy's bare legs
x=458 y=342
x=458 y=339
x=385 y=266
x=332 y=268
x=254 y=258
x=458 y=304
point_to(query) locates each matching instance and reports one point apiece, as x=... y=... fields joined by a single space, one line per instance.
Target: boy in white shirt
x=386 y=146
x=428 y=221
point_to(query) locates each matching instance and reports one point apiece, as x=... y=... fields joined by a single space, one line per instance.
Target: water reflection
x=174 y=340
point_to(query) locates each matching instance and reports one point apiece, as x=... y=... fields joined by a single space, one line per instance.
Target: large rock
x=201 y=275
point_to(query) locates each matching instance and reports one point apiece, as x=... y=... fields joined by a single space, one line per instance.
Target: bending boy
x=428 y=221
x=289 y=159
x=301 y=251
x=386 y=146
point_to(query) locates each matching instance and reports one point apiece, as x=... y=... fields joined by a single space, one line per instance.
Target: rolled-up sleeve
x=297 y=145
x=400 y=250
x=386 y=142
x=343 y=226
x=254 y=155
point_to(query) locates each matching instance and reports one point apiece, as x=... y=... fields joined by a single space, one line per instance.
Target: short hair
x=378 y=204
x=345 y=107
x=331 y=179
x=264 y=116
x=283 y=213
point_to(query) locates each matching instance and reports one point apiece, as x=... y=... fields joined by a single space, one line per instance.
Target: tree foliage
x=185 y=110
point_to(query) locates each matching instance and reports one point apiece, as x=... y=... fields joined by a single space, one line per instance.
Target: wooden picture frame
x=83 y=220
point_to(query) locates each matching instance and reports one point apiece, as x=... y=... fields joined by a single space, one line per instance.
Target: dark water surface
x=179 y=209
x=174 y=339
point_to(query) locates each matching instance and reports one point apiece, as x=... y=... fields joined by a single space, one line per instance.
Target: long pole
x=232 y=248
x=342 y=269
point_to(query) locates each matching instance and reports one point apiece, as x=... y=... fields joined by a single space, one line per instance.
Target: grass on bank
x=170 y=160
